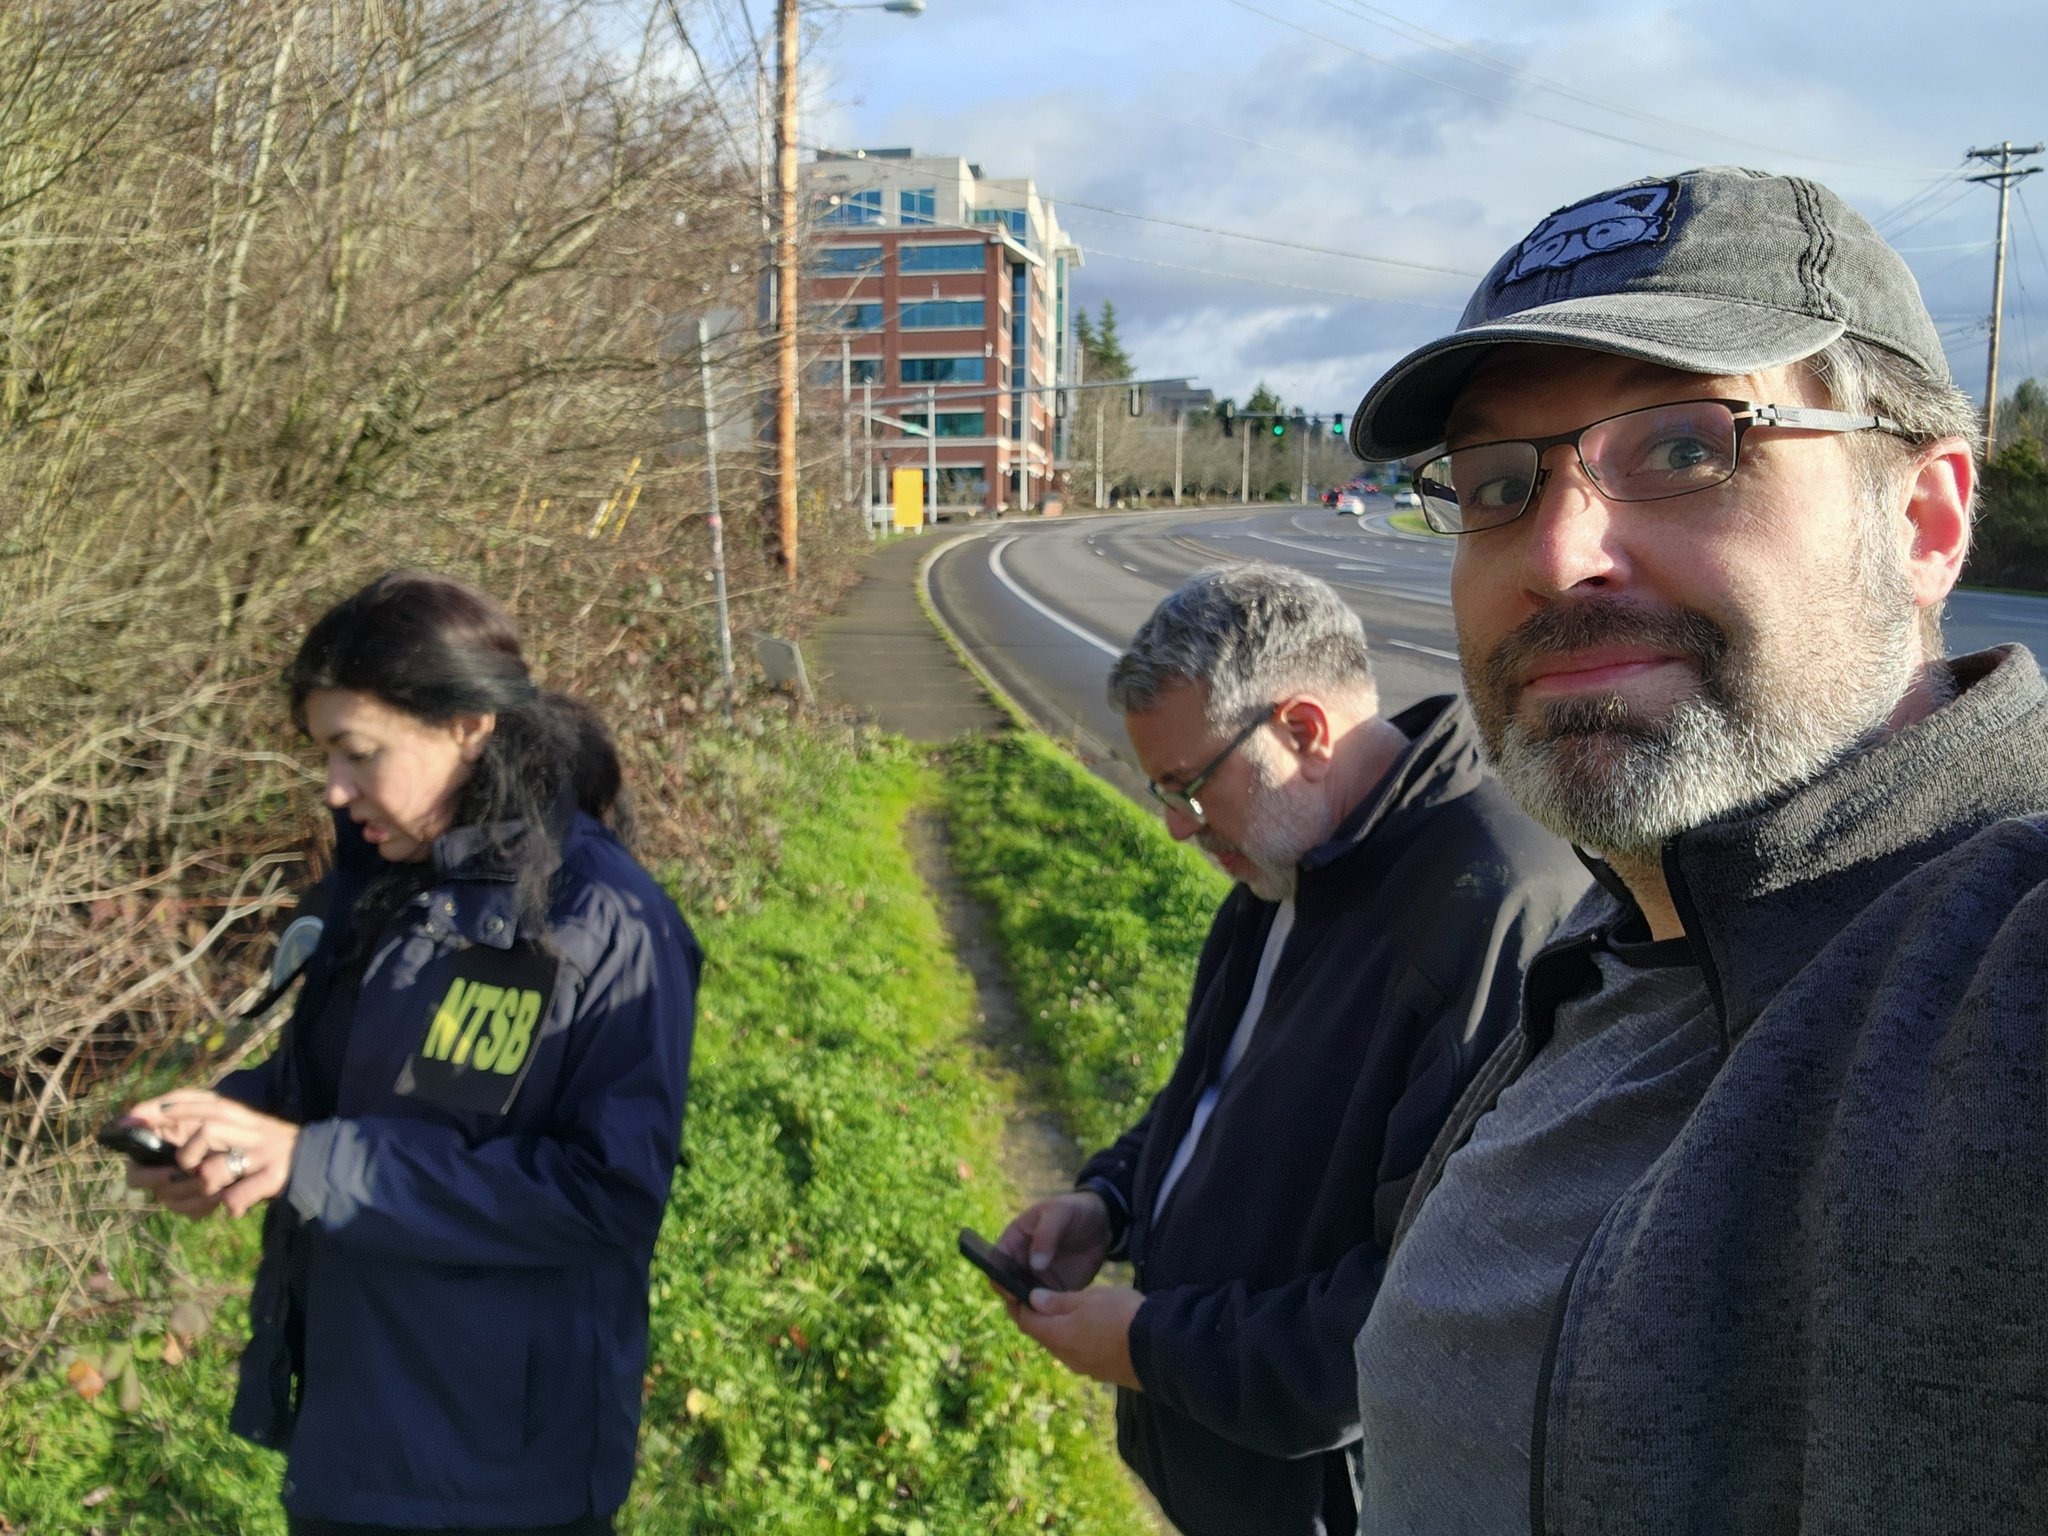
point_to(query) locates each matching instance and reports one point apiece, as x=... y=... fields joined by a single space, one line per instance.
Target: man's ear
x=472 y=732
x=1938 y=497
x=1307 y=727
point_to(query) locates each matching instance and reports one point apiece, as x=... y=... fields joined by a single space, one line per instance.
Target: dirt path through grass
x=1039 y=1158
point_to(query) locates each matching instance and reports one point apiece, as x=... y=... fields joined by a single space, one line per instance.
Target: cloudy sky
x=1411 y=144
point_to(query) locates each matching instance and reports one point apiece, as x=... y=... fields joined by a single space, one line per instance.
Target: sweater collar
x=1762 y=891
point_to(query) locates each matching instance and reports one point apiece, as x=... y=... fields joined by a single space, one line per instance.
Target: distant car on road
x=1350 y=504
x=1330 y=497
x=1366 y=487
x=1406 y=498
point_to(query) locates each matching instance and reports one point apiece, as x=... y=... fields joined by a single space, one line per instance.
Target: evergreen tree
x=1108 y=359
x=1264 y=402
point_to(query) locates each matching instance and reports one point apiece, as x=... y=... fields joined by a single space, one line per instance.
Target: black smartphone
x=998 y=1266
x=135 y=1140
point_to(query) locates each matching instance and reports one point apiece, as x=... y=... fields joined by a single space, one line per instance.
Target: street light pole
x=785 y=285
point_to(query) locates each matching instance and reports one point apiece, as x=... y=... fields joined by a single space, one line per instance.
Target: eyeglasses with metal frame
x=1183 y=799
x=1652 y=454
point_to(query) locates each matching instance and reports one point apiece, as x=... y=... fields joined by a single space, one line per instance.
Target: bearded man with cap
x=1745 y=1228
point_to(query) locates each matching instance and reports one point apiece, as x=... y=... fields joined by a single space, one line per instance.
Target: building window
x=962 y=485
x=856 y=208
x=918 y=207
x=865 y=370
x=945 y=370
x=942 y=258
x=937 y=314
x=833 y=259
x=954 y=423
x=849 y=317
x=1013 y=219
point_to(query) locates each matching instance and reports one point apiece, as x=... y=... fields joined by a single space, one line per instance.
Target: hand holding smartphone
x=138 y=1142
x=999 y=1266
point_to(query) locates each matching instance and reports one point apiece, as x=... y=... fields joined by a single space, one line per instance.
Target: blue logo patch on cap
x=1613 y=221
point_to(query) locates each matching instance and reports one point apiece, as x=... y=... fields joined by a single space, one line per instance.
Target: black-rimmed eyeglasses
x=1183 y=799
x=1647 y=455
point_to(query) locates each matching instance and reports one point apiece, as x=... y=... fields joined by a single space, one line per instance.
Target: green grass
x=1410 y=522
x=822 y=1361
x=1100 y=915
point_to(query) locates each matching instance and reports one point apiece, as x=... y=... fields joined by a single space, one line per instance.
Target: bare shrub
x=293 y=291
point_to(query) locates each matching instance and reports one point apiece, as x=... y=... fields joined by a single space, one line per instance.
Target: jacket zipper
x=1539 y=1435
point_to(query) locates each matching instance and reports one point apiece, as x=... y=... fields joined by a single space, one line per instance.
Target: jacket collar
x=475 y=894
x=1440 y=763
x=1761 y=892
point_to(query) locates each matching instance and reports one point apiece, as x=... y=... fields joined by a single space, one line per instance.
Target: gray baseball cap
x=1718 y=271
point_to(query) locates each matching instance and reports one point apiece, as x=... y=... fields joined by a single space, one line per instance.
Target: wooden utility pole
x=2004 y=176
x=786 y=284
x=1180 y=440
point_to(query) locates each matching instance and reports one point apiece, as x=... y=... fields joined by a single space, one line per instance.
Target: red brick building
x=944 y=293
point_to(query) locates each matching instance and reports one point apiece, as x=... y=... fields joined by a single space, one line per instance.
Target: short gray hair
x=1865 y=379
x=1252 y=634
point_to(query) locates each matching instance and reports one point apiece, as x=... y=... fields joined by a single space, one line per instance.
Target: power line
x=1491 y=101
x=1273 y=240
x=1438 y=43
x=1934 y=210
x=1212 y=229
x=1267 y=282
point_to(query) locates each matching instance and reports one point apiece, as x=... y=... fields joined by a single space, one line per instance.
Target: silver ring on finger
x=238 y=1162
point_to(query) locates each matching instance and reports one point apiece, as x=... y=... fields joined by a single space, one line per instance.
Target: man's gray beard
x=1622 y=784
x=1283 y=824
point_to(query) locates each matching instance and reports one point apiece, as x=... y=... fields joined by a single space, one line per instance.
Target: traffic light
x=1135 y=401
x=1227 y=414
x=1279 y=427
x=1336 y=426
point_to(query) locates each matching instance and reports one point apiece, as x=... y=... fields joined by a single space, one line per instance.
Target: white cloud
x=1149 y=104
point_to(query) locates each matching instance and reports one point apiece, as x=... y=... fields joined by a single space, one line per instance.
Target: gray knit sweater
x=1825 y=1308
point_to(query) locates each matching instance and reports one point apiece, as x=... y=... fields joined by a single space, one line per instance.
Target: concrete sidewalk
x=880 y=655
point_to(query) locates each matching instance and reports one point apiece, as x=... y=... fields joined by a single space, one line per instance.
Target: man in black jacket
x=1368 y=960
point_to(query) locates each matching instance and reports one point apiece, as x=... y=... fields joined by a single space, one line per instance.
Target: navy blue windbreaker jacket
x=449 y=1325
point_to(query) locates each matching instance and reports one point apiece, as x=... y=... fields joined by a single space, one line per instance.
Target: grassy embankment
x=822 y=1361
x=1099 y=913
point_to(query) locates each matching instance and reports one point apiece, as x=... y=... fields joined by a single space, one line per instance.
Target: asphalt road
x=1046 y=606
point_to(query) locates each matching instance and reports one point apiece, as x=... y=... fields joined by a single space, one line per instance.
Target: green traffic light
x=1279 y=428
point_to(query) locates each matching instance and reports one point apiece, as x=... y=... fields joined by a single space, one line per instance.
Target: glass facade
x=935 y=314
x=917 y=207
x=856 y=208
x=942 y=258
x=1015 y=220
x=847 y=258
x=848 y=317
x=954 y=423
x=944 y=370
x=1020 y=344
x=865 y=370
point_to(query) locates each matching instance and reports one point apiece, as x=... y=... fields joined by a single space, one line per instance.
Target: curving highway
x=1046 y=606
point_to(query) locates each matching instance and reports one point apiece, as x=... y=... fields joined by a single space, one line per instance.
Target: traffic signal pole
x=1246 y=494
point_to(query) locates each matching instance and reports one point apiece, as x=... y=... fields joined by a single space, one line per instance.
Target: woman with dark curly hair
x=467 y=1133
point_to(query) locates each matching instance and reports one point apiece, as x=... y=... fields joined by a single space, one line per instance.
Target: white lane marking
x=995 y=564
x=1313 y=549
x=1129 y=567
x=1427 y=650
x=1377 y=570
